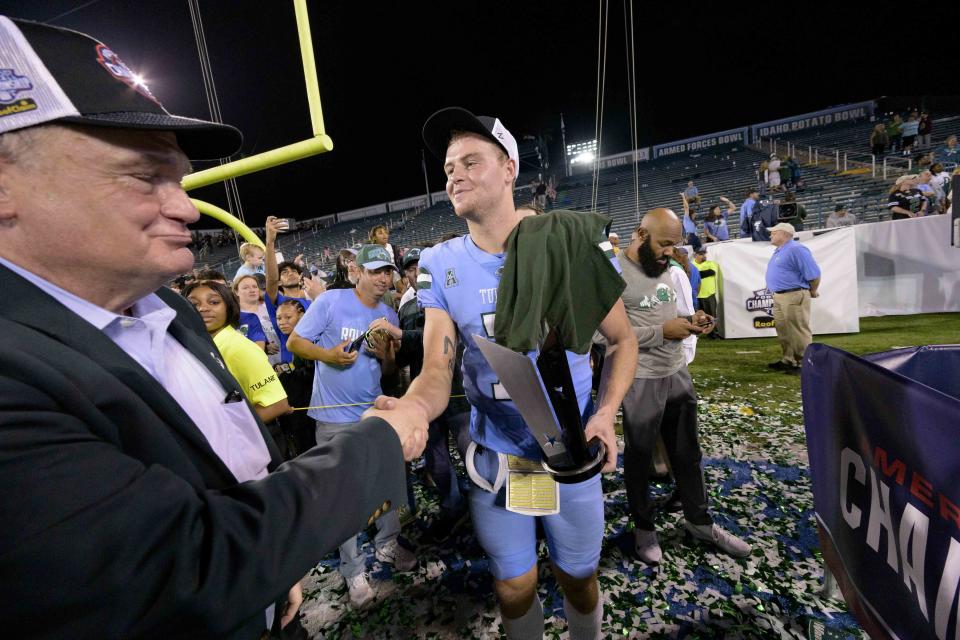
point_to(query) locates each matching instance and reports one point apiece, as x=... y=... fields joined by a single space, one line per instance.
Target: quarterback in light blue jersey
x=465 y=287
x=458 y=289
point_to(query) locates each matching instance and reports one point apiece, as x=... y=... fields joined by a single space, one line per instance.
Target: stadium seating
x=728 y=172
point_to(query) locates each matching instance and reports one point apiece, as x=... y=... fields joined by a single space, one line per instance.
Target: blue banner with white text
x=702 y=143
x=883 y=435
x=813 y=120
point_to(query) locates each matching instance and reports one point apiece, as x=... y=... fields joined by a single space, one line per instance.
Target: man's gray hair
x=15 y=144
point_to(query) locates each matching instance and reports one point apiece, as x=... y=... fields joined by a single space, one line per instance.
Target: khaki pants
x=791 y=315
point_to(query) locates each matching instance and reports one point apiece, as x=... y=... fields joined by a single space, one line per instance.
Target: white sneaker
x=647 y=546
x=360 y=591
x=401 y=558
x=723 y=540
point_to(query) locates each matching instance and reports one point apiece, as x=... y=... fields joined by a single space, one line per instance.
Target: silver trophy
x=547 y=400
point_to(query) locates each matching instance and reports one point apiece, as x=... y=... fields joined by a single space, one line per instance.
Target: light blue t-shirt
x=689 y=226
x=746 y=209
x=336 y=316
x=462 y=279
x=718 y=229
x=244 y=270
x=791 y=267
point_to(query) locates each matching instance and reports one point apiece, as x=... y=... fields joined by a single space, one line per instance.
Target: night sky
x=384 y=67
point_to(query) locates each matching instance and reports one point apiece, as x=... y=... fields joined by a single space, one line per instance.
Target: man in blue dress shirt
x=793 y=277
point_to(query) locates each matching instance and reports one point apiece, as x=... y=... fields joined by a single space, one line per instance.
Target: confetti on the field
x=755 y=465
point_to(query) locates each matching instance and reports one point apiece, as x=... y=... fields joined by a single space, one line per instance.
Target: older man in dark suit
x=142 y=496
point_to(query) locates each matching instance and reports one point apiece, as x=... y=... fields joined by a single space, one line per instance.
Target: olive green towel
x=556 y=272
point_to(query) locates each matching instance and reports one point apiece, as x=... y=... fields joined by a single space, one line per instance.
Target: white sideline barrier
x=901 y=267
x=907 y=266
x=748 y=306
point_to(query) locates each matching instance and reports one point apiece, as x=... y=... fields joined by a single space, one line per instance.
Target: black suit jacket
x=117 y=520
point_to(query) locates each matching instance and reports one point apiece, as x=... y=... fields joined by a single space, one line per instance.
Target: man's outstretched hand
x=408 y=418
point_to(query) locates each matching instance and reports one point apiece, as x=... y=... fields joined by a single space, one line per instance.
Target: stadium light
x=582 y=152
x=584 y=158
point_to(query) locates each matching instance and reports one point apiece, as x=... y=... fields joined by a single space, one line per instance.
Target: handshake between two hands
x=408 y=418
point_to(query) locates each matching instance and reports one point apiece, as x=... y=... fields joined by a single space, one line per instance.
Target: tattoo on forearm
x=449 y=350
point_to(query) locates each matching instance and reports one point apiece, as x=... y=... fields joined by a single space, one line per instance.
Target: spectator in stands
x=879 y=140
x=909 y=131
x=709 y=279
x=793 y=177
x=693 y=195
x=381 y=235
x=763 y=216
x=689 y=224
x=841 y=218
x=785 y=174
x=792 y=211
x=350 y=359
x=940 y=182
x=923 y=186
x=746 y=209
x=220 y=311
x=614 y=242
x=252 y=257
x=298 y=429
x=248 y=296
x=287 y=276
x=894 y=132
x=662 y=400
x=772 y=176
x=905 y=200
x=345 y=273
x=924 y=130
x=793 y=277
x=552 y=190
x=715 y=227
x=540 y=193
x=949 y=155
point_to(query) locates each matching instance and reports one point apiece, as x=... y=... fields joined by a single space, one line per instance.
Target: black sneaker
x=779 y=365
x=793 y=371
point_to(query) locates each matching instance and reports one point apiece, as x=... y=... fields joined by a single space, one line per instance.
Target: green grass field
x=737 y=369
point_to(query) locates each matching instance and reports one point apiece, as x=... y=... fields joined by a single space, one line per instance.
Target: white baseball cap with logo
x=437 y=129
x=50 y=74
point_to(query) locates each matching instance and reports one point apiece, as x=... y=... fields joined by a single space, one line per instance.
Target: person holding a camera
x=284 y=281
x=350 y=360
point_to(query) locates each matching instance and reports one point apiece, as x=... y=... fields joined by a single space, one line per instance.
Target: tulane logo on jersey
x=451 y=279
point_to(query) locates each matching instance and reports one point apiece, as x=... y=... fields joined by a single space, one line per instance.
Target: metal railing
x=839 y=160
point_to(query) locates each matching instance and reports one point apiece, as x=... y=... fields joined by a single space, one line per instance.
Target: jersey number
x=499 y=391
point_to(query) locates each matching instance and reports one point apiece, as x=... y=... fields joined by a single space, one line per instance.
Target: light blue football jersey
x=462 y=279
